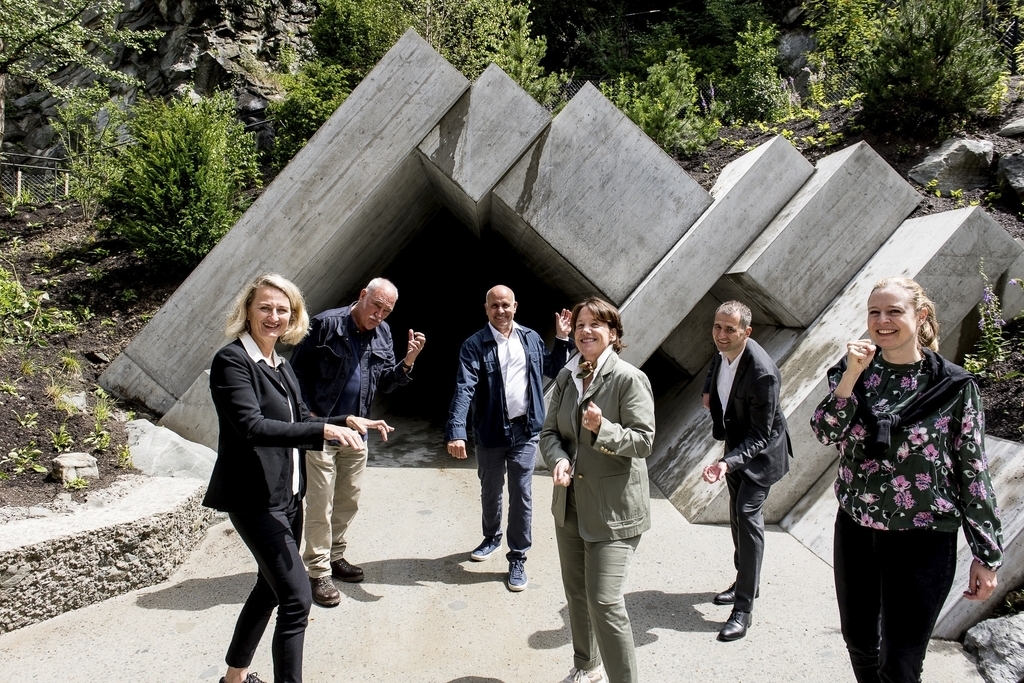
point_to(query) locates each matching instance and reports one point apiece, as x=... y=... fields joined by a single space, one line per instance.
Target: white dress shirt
x=726 y=376
x=512 y=358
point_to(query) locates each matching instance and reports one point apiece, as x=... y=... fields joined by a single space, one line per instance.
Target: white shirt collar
x=498 y=336
x=733 y=363
x=253 y=349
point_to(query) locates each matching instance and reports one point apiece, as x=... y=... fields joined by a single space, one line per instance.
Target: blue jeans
x=891 y=586
x=518 y=458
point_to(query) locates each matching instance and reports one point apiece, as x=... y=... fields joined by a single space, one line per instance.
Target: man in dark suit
x=742 y=392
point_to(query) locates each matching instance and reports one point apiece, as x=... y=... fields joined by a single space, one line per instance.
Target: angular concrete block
x=478 y=140
x=684 y=445
x=958 y=615
x=595 y=204
x=747 y=196
x=804 y=258
x=690 y=344
x=940 y=251
x=194 y=416
x=353 y=196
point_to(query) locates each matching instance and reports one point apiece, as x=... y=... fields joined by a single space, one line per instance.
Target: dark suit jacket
x=753 y=427
x=254 y=467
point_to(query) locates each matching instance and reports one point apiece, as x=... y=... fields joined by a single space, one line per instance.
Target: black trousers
x=282 y=582
x=890 y=586
x=746 y=519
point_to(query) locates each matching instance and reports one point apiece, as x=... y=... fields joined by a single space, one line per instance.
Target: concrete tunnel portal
x=442 y=276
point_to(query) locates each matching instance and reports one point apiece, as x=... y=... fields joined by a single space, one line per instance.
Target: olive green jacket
x=613 y=498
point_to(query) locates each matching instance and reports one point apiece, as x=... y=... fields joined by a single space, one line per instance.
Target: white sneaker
x=581 y=676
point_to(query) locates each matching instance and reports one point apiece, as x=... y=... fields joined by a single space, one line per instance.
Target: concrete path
x=427 y=614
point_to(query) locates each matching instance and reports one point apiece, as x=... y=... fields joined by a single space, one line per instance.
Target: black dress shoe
x=348 y=573
x=726 y=597
x=736 y=627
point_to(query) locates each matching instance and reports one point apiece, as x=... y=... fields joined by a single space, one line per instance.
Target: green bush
x=756 y=93
x=311 y=97
x=934 y=64
x=519 y=56
x=355 y=34
x=184 y=179
x=665 y=105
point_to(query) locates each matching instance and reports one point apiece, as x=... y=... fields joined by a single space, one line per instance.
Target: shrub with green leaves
x=756 y=93
x=665 y=105
x=519 y=56
x=934 y=64
x=184 y=179
x=355 y=34
x=312 y=96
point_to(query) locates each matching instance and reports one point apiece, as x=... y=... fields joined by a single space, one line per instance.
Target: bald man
x=501 y=370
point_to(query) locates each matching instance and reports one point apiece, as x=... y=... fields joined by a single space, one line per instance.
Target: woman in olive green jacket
x=599 y=429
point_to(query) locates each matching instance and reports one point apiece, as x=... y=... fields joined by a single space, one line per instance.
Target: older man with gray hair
x=346 y=357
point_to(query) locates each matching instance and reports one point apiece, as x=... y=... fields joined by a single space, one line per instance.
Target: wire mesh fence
x=30 y=178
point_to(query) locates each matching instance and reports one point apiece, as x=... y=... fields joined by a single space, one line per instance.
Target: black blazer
x=753 y=427
x=254 y=467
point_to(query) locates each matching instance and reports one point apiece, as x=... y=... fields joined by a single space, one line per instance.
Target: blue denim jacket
x=323 y=359
x=479 y=383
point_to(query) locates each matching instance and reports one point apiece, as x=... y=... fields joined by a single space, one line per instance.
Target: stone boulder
x=1012 y=129
x=159 y=452
x=957 y=164
x=998 y=645
x=1010 y=174
x=71 y=466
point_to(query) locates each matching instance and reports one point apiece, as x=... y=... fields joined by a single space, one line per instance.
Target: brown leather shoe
x=349 y=573
x=324 y=592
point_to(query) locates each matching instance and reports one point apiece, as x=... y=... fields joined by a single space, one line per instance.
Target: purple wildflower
x=923 y=519
x=922 y=481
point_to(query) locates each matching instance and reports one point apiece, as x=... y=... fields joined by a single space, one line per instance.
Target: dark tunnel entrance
x=442 y=277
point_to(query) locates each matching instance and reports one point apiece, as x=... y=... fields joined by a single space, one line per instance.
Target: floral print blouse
x=934 y=474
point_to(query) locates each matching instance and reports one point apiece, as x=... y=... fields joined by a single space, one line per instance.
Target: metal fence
x=32 y=178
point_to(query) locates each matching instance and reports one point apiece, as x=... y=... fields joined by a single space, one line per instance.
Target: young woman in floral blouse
x=909 y=427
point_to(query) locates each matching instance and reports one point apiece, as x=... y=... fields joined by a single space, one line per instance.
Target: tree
x=934 y=63
x=38 y=38
x=184 y=179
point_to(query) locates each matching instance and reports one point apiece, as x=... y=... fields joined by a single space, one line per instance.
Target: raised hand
x=417 y=340
x=563 y=324
x=859 y=353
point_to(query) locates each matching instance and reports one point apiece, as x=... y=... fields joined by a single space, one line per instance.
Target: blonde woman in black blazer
x=259 y=476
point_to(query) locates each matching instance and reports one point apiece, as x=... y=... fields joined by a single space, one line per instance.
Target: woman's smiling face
x=893 y=323
x=269 y=315
x=592 y=335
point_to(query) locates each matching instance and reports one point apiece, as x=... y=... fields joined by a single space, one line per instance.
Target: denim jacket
x=323 y=359
x=479 y=383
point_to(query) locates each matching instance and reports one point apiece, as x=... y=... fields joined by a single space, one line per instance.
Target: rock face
x=206 y=46
x=998 y=645
x=956 y=165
